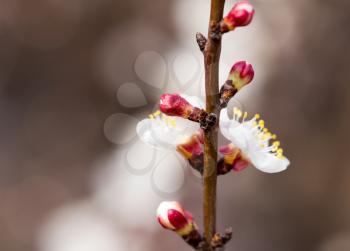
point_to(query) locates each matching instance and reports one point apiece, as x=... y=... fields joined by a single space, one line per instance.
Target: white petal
x=193 y=100
x=227 y=126
x=158 y=135
x=224 y=123
x=268 y=162
x=143 y=130
x=240 y=137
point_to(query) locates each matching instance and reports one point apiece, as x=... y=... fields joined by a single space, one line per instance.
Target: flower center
x=261 y=134
x=161 y=117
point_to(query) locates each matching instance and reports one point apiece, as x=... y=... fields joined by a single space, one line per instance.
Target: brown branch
x=196 y=162
x=211 y=61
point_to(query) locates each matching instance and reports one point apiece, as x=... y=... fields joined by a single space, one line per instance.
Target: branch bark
x=211 y=61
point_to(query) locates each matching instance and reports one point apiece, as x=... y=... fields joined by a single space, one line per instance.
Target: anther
x=261 y=123
x=276 y=143
x=245 y=115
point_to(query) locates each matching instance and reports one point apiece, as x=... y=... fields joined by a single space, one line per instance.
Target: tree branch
x=211 y=60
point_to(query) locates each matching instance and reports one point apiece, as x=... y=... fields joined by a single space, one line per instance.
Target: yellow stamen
x=261 y=123
x=276 y=143
x=171 y=122
x=279 y=153
x=245 y=115
x=265 y=136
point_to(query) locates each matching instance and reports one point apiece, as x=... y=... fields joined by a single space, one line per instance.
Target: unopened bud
x=241 y=74
x=175 y=105
x=172 y=216
x=240 y=15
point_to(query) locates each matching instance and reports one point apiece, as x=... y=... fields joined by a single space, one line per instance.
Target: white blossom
x=254 y=140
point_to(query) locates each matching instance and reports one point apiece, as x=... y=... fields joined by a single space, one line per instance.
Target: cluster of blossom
x=250 y=141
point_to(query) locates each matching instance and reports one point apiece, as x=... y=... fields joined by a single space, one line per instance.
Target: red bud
x=172 y=216
x=241 y=74
x=175 y=105
x=240 y=15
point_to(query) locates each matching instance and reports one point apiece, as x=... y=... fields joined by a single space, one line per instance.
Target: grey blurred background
x=77 y=75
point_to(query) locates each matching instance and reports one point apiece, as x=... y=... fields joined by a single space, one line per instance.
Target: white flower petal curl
x=160 y=135
x=254 y=140
x=269 y=163
x=226 y=123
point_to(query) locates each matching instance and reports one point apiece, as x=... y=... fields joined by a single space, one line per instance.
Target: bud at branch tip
x=241 y=14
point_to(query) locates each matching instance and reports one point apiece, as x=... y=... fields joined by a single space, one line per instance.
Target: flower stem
x=211 y=61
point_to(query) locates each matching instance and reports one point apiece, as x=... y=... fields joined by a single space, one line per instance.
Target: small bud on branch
x=240 y=15
x=201 y=41
x=175 y=105
x=241 y=74
x=172 y=216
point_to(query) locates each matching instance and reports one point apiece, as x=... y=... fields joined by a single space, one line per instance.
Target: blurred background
x=77 y=75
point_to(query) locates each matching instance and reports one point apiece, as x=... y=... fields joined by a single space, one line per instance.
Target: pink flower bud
x=172 y=216
x=241 y=74
x=240 y=15
x=175 y=105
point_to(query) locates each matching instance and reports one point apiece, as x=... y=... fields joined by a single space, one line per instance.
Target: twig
x=211 y=61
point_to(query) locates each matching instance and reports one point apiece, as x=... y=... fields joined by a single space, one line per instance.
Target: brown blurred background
x=62 y=65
